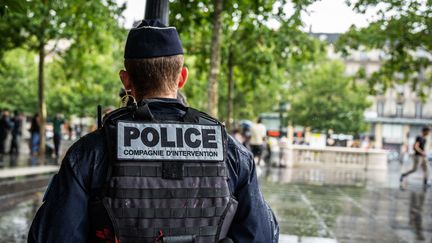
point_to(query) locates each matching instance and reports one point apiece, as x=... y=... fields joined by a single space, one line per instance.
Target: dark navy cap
x=151 y=38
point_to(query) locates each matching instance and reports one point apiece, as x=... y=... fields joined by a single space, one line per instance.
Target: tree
x=402 y=30
x=78 y=22
x=92 y=81
x=324 y=98
x=215 y=58
x=261 y=65
x=17 y=74
x=254 y=54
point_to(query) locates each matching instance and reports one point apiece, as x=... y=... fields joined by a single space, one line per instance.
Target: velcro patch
x=169 y=141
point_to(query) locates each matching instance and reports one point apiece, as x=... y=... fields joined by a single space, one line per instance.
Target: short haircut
x=425 y=129
x=153 y=76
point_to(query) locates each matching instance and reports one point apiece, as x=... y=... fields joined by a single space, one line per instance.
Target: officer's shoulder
x=84 y=156
x=205 y=118
x=237 y=147
x=89 y=147
x=239 y=157
x=117 y=114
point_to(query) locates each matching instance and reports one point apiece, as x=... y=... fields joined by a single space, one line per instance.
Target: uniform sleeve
x=254 y=221
x=63 y=215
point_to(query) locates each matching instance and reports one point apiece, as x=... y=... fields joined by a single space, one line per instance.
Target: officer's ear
x=124 y=77
x=183 y=77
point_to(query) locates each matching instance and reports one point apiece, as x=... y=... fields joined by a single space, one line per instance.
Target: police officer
x=157 y=171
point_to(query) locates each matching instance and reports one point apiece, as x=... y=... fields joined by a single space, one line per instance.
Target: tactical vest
x=168 y=179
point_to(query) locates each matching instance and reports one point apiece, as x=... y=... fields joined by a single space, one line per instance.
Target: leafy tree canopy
x=83 y=43
x=402 y=30
x=18 y=73
x=256 y=52
x=324 y=98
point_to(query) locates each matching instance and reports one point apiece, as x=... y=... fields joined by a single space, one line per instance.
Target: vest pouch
x=227 y=217
x=101 y=226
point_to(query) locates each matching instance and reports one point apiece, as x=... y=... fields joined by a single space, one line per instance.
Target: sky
x=333 y=16
x=330 y=16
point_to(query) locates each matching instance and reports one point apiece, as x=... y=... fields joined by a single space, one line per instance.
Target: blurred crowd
x=10 y=125
x=17 y=129
x=254 y=136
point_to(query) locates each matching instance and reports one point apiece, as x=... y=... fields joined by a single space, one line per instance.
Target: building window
x=392 y=133
x=418 y=109
x=399 y=109
x=380 y=108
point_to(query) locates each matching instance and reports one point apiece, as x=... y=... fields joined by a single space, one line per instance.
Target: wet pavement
x=23 y=159
x=333 y=205
x=314 y=205
x=15 y=222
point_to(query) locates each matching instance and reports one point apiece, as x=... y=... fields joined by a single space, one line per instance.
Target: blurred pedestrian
x=35 y=136
x=283 y=151
x=365 y=143
x=420 y=158
x=269 y=146
x=5 y=126
x=69 y=130
x=246 y=134
x=257 y=140
x=238 y=136
x=58 y=122
x=78 y=130
x=17 y=123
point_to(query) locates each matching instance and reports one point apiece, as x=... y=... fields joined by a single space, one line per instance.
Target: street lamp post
x=283 y=108
x=157 y=9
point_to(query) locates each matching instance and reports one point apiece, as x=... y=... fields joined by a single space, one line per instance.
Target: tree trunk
x=41 y=88
x=41 y=96
x=230 y=103
x=215 y=59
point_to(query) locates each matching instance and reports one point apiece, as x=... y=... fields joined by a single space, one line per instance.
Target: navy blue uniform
x=64 y=215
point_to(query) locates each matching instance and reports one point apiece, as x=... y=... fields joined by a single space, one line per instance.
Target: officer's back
x=157 y=171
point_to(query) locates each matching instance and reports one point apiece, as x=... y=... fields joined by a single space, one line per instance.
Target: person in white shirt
x=258 y=137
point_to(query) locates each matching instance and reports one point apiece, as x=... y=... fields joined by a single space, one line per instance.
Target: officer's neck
x=161 y=95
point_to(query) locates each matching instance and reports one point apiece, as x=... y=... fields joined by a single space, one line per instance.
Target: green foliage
x=403 y=31
x=80 y=81
x=258 y=53
x=83 y=44
x=40 y=22
x=324 y=98
x=14 y=6
x=74 y=86
x=18 y=87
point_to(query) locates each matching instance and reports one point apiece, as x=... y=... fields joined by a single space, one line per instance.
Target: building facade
x=396 y=116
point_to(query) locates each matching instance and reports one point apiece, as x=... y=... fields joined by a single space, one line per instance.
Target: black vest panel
x=167 y=180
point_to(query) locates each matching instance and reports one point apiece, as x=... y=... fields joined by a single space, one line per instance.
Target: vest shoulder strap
x=113 y=116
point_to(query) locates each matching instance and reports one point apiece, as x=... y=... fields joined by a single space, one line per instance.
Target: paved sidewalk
x=27 y=171
x=23 y=159
x=334 y=205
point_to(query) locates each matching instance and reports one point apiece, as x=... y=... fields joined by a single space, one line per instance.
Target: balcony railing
x=331 y=157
